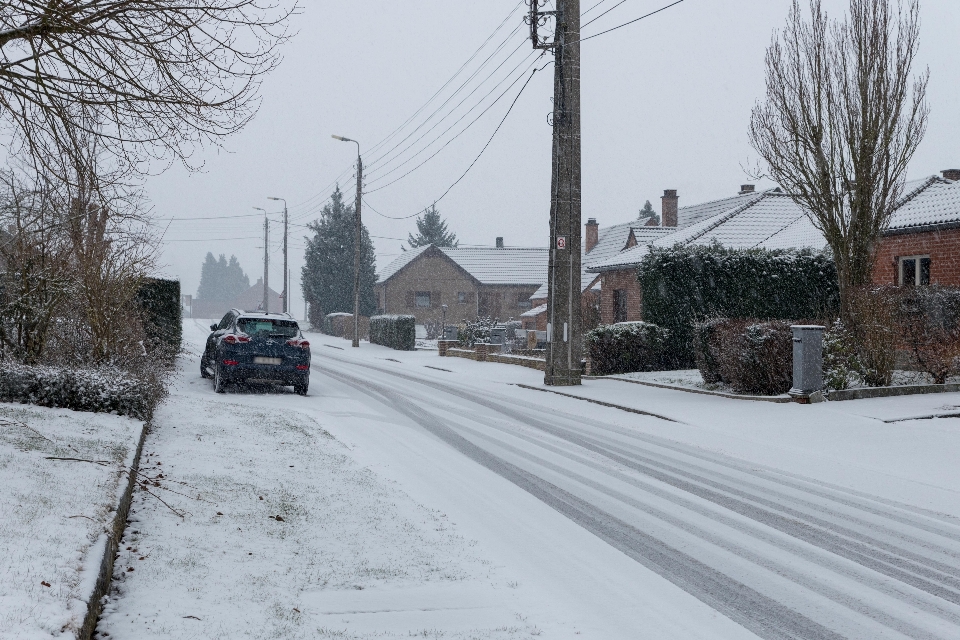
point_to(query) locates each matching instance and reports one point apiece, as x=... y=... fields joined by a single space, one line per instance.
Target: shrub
x=873 y=318
x=841 y=362
x=396 y=332
x=159 y=302
x=103 y=390
x=625 y=347
x=472 y=333
x=334 y=323
x=686 y=284
x=929 y=324
x=750 y=356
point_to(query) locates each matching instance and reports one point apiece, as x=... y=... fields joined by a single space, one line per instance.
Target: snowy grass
x=281 y=530
x=54 y=511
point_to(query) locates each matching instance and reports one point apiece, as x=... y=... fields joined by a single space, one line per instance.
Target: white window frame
x=916 y=268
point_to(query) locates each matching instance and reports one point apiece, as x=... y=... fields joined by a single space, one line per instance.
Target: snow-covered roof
x=533 y=313
x=489 y=265
x=932 y=201
x=772 y=220
x=692 y=214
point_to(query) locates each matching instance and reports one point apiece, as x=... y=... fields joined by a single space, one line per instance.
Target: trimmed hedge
x=684 y=285
x=333 y=323
x=159 y=301
x=626 y=347
x=752 y=357
x=105 y=390
x=396 y=332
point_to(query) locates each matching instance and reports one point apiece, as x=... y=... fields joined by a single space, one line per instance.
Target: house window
x=423 y=299
x=523 y=304
x=915 y=270
x=461 y=297
x=619 y=305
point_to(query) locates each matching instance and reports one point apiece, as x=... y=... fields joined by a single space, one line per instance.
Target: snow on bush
x=751 y=356
x=396 y=332
x=626 y=347
x=929 y=320
x=104 y=390
x=684 y=285
x=478 y=332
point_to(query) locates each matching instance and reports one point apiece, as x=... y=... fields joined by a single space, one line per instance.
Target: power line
x=213 y=239
x=664 y=8
x=512 y=104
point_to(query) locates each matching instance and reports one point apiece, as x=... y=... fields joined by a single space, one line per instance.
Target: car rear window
x=268 y=327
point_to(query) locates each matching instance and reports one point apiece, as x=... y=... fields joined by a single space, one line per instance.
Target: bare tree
x=842 y=118
x=149 y=78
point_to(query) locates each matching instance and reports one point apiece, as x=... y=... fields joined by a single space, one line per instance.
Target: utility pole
x=266 y=261
x=356 y=244
x=564 y=339
x=286 y=271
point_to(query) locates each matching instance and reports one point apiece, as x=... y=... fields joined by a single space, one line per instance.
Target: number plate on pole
x=561 y=242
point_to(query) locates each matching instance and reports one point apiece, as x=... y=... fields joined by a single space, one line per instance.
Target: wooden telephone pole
x=564 y=339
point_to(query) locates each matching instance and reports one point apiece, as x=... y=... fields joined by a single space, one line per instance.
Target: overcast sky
x=665 y=105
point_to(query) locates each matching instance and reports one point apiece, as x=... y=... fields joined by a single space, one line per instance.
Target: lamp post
x=356 y=245
x=286 y=273
x=443 y=322
x=266 y=260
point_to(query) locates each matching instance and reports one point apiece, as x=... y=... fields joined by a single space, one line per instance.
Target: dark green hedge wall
x=159 y=302
x=396 y=332
x=684 y=285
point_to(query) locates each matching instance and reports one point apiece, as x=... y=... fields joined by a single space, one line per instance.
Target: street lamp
x=443 y=322
x=356 y=246
x=286 y=273
x=266 y=260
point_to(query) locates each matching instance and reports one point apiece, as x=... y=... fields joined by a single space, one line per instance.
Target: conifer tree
x=328 y=273
x=431 y=229
x=221 y=280
x=647 y=212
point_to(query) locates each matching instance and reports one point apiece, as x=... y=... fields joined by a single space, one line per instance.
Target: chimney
x=747 y=188
x=499 y=242
x=592 y=234
x=668 y=207
x=951 y=174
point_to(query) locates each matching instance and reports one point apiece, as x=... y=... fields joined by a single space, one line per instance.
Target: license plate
x=267 y=360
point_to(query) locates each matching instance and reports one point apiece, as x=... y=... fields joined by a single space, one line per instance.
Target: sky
x=666 y=104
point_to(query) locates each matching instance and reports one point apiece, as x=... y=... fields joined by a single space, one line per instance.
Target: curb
x=113 y=535
x=887 y=392
x=719 y=394
x=601 y=403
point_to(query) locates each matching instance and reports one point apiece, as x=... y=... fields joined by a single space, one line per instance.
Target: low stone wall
x=488 y=353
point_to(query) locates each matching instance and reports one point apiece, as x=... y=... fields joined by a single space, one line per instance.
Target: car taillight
x=298 y=342
x=237 y=338
x=231 y=363
x=302 y=367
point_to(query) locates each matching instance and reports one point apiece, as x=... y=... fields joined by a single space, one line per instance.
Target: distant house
x=920 y=246
x=494 y=282
x=249 y=300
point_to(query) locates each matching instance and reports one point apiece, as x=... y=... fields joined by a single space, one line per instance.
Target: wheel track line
x=770 y=474
x=758 y=613
x=779 y=569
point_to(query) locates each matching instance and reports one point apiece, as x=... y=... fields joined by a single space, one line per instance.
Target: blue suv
x=252 y=346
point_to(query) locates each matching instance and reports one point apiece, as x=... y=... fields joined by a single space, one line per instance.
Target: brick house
x=920 y=246
x=483 y=281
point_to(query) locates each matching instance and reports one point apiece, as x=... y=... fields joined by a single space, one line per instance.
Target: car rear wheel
x=300 y=387
x=219 y=384
x=203 y=369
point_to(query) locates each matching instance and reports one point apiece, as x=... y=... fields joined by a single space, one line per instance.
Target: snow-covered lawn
x=55 y=511
x=276 y=532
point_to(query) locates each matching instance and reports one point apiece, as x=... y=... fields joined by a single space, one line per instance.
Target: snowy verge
x=57 y=513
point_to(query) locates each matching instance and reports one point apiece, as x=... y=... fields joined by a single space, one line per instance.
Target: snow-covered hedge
x=396 y=332
x=333 y=323
x=105 y=390
x=752 y=357
x=626 y=347
x=929 y=319
x=684 y=285
x=159 y=302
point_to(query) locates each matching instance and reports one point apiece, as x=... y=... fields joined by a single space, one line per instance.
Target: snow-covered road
x=503 y=511
x=784 y=555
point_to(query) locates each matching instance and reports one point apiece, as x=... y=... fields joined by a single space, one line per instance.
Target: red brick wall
x=943 y=247
x=625 y=279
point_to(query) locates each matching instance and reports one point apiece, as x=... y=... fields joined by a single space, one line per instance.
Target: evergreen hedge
x=626 y=347
x=751 y=356
x=683 y=285
x=159 y=301
x=396 y=332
